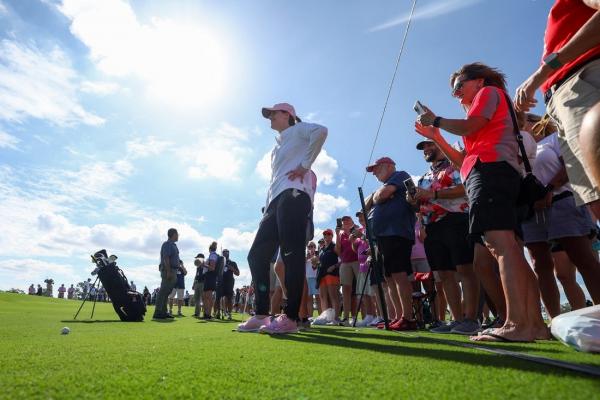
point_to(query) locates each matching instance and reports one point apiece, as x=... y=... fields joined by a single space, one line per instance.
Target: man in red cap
x=393 y=221
x=286 y=217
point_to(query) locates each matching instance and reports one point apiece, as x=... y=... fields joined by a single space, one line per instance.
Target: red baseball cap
x=382 y=160
x=288 y=108
x=327 y=232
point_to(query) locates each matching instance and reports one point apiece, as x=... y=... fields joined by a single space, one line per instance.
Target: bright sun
x=183 y=66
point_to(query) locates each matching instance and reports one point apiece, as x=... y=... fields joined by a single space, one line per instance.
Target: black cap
x=200 y=255
x=422 y=143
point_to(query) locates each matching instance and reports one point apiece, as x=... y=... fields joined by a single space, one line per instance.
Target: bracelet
x=436 y=122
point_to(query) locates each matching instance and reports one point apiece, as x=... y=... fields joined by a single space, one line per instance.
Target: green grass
x=194 y=359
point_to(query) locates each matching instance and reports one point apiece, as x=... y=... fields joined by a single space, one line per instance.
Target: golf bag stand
x=85 y=299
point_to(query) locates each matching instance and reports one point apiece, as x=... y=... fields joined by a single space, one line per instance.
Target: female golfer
x=286 y=217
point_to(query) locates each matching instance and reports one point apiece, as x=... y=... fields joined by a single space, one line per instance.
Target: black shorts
x=395 y=253
x=210 y=281
x=447 y=243
x=227 y=287
x=492 y=189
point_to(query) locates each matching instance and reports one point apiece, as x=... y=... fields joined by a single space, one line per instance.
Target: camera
x=49 y=280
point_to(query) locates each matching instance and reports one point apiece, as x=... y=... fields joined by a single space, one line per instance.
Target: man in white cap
x=286 y=216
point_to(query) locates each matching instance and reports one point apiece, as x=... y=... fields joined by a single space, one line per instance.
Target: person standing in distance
x=169 y=263
x=287 y=213
x=230 y=269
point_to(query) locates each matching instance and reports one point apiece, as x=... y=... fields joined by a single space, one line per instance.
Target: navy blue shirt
x=395 y=216
x=169 y=250
x=328 y=258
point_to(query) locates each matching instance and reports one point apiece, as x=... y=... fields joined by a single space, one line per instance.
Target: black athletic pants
x=284 y=225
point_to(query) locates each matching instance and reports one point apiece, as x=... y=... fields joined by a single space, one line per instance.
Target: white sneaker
x=376 y=320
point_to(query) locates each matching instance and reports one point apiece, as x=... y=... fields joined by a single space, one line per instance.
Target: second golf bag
x=128 y=304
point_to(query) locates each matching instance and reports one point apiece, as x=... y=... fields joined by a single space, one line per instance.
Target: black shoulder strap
x=518 y=134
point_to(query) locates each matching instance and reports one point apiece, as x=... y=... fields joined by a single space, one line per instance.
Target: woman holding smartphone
x=489 y=167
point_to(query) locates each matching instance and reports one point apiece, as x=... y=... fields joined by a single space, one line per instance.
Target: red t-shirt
x=348 y=255
x=565 y=19
x=496 y=140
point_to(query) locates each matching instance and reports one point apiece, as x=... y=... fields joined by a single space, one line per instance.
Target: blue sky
x=120 y=119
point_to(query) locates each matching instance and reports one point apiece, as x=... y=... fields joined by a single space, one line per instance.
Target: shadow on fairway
x=345 y=332
x=337 y=337
x=89 y=321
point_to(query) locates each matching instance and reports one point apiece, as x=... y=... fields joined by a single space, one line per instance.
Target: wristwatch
x=436 y=122
x=552 y=61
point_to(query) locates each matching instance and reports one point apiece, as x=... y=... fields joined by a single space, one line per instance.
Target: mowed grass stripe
x=193 y=359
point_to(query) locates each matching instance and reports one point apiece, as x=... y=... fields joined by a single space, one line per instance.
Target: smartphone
x=338 y=223
x=410 y=187
x=418 y=107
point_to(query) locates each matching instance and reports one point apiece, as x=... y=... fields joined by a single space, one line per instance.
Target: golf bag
x=128 y=304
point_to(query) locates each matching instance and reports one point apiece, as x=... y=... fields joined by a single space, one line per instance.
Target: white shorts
x=177 y=293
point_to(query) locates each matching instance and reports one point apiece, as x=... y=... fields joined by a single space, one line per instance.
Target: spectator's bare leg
x=544 y=270
x=524 y=318
x=484 y=265
x=589 y=137
x=470 y=289
x=583 y=256
x=453 y=294
x=566 y=275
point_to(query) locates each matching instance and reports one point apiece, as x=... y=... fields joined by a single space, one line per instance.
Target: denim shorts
x=312 y=286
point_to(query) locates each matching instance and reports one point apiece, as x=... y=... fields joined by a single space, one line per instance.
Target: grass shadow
x=89 y=321
x=345 y=332
x=457 y=354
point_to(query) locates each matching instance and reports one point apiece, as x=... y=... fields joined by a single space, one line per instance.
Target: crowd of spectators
x=468 y=210
x=461 y=230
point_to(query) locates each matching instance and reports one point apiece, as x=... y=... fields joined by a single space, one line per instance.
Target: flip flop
x=498 y=338
x=486 y=331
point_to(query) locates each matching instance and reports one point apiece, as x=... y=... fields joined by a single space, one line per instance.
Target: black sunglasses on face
x=458 y=84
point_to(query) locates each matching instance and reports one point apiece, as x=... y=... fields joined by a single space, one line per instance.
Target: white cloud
x=99 y=88
x=263 y=167
x=3 y=9
x=8 y=141
x=41 y=85
x=327 y=206
x=180 y=64
x=235 y=239
x=324 y=167
x=144 y=147
x=312 y=117
x=431 y=10
x=217 y=154
x=34 y=270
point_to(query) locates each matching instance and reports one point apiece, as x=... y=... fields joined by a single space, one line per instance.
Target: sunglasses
x=458 y=84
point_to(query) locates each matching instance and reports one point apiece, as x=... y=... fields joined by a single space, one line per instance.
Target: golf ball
x=65 y=330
